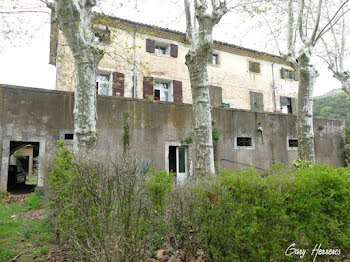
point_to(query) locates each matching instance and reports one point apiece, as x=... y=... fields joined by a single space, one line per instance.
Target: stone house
x=143 y=61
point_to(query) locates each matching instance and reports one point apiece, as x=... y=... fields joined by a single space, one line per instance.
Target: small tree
x=199 y=34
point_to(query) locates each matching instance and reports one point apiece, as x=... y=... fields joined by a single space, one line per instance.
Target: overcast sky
x=24 y=57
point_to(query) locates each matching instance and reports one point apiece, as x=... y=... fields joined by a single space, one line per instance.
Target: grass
x=32 y=180
x=21 y=232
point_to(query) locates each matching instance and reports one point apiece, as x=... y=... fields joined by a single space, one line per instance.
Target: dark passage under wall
x=45 y=116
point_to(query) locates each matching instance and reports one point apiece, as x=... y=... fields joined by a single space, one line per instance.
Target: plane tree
x=201 y=17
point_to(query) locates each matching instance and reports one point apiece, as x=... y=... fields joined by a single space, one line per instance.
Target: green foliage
x=299 y=163
x=336 y=106
x=215 y=132
x=347 y=146
x=158 y=186
x=126 y=114
x=188 y=141
x=347 y=135
x=244 y=216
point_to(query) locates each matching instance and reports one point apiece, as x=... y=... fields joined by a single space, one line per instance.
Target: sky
x=24 y=52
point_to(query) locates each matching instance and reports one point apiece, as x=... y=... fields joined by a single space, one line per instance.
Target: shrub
x=244 y=216
x=347 y=146
x=158 y=185
x=101 y=206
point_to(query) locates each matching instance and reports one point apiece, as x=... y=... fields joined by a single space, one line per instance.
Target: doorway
x=177 y=162
x=23 y=166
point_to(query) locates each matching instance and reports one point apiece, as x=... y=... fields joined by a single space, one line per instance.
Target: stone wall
x=36 y=115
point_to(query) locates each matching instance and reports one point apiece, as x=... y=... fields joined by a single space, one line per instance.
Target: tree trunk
x=344 y=79
x=203 y=139
x=74 y=17
x=85 y=112
x=307 y=77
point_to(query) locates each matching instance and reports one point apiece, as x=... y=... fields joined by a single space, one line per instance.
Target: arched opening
x=23 y=166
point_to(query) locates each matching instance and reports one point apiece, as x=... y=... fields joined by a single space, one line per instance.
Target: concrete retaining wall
x=36 y=115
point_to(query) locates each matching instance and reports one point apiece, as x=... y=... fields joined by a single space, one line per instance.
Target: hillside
x=336 y=106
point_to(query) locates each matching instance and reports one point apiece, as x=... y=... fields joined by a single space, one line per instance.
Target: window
x=288 y=74
x=256 y=101
x=244 y=141
x=286 y=105
x=254 y=67
x=215 y=95
x=161 y=91
x=214 y=59
x=162 y=48
x=68 y=136
x=103 y=85
x=292 y=143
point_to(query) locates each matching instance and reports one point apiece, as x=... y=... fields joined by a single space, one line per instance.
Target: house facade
x=148 y=62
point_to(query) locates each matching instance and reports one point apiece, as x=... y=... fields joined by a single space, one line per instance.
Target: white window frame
x=169 y=90
x=110 y=76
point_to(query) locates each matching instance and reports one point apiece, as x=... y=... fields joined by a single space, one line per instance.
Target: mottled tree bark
x=344 y=79
x=307 y=73
x=199 y=34
x=307 y=78
x=74 y=18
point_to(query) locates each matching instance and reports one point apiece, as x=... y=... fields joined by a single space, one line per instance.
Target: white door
x=181 y=164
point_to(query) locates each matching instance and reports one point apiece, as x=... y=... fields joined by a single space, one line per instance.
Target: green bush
x=158 y=186
x=118 y=210
x=244 y=216
x=347 y=146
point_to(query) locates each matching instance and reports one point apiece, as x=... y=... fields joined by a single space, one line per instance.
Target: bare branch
x=24 y=11
x=188 y=20
x=291 y=46
x=330 y=22
x=300 y=21
x=313 y=36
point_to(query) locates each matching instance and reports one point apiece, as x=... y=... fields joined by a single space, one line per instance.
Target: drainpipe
x=134 y=77
x=274 y=91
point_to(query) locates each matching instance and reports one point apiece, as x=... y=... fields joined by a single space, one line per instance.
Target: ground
x=25 y=231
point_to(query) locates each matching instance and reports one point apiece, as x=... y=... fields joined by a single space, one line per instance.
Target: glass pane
x=182 y=160
x=104 y=88
x=163 y=95
x=103 y=78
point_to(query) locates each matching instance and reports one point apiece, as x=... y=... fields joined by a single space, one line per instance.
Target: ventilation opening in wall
x=293 y=143
x=23 y=166
x=244 y=142
x=68 y=136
